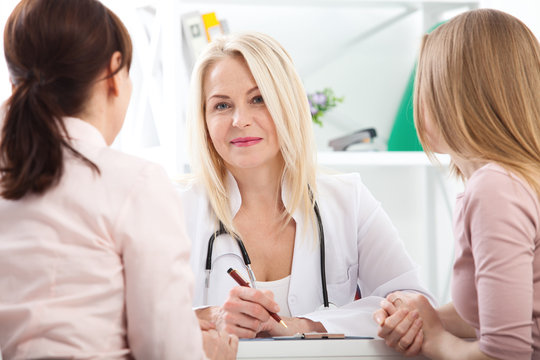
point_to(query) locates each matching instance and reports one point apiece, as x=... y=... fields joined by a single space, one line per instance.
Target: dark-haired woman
x=93 y=256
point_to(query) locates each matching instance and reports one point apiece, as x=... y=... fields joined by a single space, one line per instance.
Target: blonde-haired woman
x=477 y=98
x=255 y=178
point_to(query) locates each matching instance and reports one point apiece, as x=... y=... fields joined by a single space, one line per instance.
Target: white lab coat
x=362 y=249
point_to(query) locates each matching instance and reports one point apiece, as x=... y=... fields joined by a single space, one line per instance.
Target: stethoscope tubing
x=323 y=256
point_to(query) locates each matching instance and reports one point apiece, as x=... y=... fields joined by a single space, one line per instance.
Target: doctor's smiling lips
x=246 y=141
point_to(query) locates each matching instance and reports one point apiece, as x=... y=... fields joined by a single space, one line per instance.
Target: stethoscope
x=247 y=261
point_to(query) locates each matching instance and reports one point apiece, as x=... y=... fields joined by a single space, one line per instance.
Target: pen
x=240 y=280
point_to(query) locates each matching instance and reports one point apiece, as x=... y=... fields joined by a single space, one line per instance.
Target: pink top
x=97 y=267
x=496 y=283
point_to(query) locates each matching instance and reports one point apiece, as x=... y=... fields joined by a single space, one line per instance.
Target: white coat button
x=292 y=299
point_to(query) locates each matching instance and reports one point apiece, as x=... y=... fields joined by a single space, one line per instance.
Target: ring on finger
x=397 y=301
x=403 y=347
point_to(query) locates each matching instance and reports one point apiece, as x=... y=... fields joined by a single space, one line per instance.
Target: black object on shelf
x=360 y=136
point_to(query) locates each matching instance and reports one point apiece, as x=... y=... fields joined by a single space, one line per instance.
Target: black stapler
x=360 y=136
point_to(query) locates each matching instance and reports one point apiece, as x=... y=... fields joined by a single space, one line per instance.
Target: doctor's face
x=239 y=124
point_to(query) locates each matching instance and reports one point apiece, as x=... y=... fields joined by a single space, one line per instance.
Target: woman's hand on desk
x=400 y=326
x=438 y=342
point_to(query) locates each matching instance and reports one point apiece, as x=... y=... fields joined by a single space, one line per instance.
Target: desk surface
x=316 y=349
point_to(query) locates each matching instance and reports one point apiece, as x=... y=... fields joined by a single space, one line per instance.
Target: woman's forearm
x=453 y=323
x=449 y=347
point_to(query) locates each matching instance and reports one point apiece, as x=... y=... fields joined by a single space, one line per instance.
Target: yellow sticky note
x=211 y=25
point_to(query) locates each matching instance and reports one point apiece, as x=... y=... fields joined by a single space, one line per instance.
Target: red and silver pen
x=240 y=280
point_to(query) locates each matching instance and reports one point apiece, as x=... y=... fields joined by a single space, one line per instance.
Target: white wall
x=328 y=44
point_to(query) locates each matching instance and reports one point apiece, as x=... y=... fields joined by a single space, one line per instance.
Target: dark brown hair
x=55 y=51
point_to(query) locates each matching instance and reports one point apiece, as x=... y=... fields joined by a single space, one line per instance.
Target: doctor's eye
x=257 y=100
x=222 y=106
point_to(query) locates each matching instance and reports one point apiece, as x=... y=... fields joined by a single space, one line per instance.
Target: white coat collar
x=235 y=198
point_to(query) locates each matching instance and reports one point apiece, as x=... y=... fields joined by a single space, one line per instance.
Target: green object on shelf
x=403 y=136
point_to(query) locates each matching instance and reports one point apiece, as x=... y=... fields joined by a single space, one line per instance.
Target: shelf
x=349 y=159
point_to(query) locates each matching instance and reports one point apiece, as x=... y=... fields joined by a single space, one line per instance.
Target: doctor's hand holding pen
x=247 y=314
x=250 y=313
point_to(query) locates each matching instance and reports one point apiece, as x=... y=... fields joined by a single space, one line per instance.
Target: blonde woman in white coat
x=254 y=173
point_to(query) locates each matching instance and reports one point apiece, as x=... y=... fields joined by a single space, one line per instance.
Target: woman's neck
x=467 y=166
x=259 y=188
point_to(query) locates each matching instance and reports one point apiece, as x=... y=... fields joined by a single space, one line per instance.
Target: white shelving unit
x=418 y=196
x=154 y=124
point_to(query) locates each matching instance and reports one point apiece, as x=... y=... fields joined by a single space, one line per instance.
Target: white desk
x=317 y=349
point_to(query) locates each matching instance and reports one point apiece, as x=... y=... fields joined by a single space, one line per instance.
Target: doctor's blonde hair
x=287 y=103
x=478 y=84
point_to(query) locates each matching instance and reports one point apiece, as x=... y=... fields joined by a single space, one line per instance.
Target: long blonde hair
x=286 y=100
x=478 y=82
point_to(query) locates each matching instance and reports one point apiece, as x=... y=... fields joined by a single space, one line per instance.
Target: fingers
x=269 y=294
x=380 y=316
x=391 y=323
x=388 y=307
x=410 y=300
x=245 y=310
x=402 y=327
x=397 y=299
x=404 y=335
x=206 y=324
x=400 y=330
x=404 y=342
x=220 y=345
x=415 y=348
x=256 y=296
x=251 y=309
x=231 y=346
x=241 y=325
x=210 y=343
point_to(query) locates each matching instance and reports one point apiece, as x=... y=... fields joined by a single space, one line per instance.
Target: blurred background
x=363 y=51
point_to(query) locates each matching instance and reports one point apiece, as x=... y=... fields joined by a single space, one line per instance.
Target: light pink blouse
x=496 y=283
x=97 y=267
